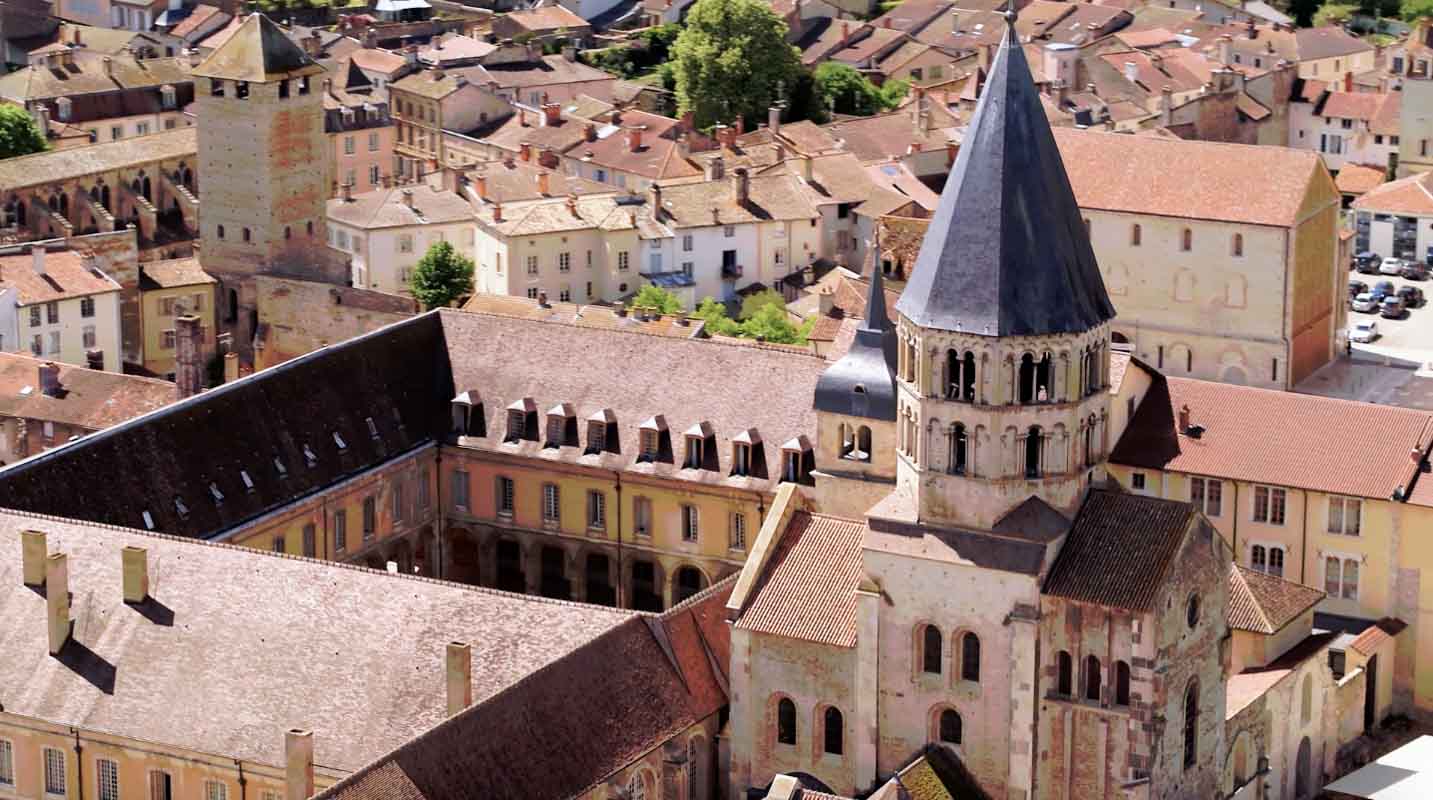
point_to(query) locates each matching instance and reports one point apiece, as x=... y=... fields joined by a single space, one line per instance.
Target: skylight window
x=372 y=427
x=310 y=457
x=180 y=507
x=338 y=440
x=279 y=465
x=248 y=482
x=148 y=520
x=214 y=491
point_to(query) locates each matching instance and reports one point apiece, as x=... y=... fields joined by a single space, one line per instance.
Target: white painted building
x=386 y=231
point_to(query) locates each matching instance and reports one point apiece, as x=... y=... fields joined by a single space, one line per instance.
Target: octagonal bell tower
x=1003 y=330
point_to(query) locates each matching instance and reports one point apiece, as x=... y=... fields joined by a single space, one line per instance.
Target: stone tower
x=856 y=415
x=1003 y=330
x=263 y=164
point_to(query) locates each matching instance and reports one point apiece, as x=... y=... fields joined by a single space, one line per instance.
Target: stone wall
x=297 y=317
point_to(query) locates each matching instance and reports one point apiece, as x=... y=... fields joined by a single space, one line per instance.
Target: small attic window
x=654 y=440
x=372 y=427
x=561 y=426
x=748 y=456
x=602 y=433
x=338 y=440
x=701 y=447
x=248 y=482
x=179 y=507
x=241 y=89
x=215 y=493
x=309 y=457
x=148 y=520
x=468 y=416
x=522 y=421
x=279 y=467
x=798 y=460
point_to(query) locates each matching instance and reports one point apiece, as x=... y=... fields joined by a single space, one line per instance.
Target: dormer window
x=216 y=87
x=167 y=96
x=279 y=467
x=64 y=106
x=602 y=433
x=701 y=447
x=180 y=508
x=561 y=426
x=241 y=89
x=798 y=459
x=467 y=411
x=747 y=455
x=338 y=440
x=309 y=457
x=148 y=520
x=655 y=440
x=248 y=482
x=215 y=493
x=522 y=421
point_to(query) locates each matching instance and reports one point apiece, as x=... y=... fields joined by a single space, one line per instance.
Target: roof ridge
x=1258 y=607
x=1309 y=397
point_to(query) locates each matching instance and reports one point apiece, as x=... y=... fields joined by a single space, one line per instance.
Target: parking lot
x=1409 y=338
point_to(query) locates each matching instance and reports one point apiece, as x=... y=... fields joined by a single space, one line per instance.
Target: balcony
x=730 y=272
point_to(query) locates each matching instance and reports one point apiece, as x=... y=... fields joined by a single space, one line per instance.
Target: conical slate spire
x=863 y=382
x=876 y=318
x=1007 y=253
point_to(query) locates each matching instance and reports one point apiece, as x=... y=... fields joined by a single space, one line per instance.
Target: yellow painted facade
x=160 y=307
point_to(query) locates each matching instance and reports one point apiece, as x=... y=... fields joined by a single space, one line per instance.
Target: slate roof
x=1007 y=253
x=808 y=589
x=863 y=382
x=250 y=643
x=1273 y=437
x=1119 y=549
x=90 y=398
x=258 y=51
x=1263 y=603
x=570 y=725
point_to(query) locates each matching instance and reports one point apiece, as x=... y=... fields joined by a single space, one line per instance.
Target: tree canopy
x=731 y=59
x=763 y=316
x=652 y=296
x=1414 y=10
x=1336 y=14
x=841 y=88
x=19 y=135
x=442 y=276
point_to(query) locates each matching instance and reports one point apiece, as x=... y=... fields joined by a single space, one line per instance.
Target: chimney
x=480 y=184
x=1348 y=81
x=78 y=39
x=94 y=359
x=773 y=119
x=231 y=367
x=407 y=195
x=32 y=557
x=741 y=186
x=542 y=300
x=497 y=212
x=1184 y=418
x=589 y=132
x=1131 y=72
x=57 y=600
x=346 y=191
x=194 y=56
x=634 y=139
x=1166 y=104
x=551 y=114
x=544 y=183
x=954 y=23
x=548 y=158
x=49 y=373
x=654 y=198
x=572 y=204
x=951 y=151
x=569 y=53
x=37 y=258
x=298 y=764
x=716 y=168
x=460 y=676
x=188 y=355
x=1250 y=31
x=739 y=126
x=108 y=67
x=136 y=573
x=826 y=301
x=1226 y=49
x=524 y=151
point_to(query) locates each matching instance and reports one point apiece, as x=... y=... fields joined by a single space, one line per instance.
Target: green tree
x=752 y=304
x=841 y=88
x=442 y=276
x=714 y=315
x=730 y=59
x=1414 y=10
x=19 y=135
x=1336 y=14
x=652 y=296
x=772 y=324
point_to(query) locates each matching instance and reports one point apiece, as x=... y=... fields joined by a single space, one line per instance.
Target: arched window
x=863 y=443
x=1121 y=683
x=1306 y=709
x=1191 y=725
x=1026 y=388
x=1186 y=240
x=1042 y=378
x=834 y=729
x=1092 y=678
x=1064 y=682
x=931 y=641
x=786 y=721
x=967 y=377
x=970 y=658
x=220 y=232
x=1257 y=558
x=848 y=440
x=636 y=787
x=958 y=444
x=309 y=227
x=1236 y=247
x=952 y=375
x=695 y=768
x=247 y=236
x=1134 y=234
x=1033 y=440
x=949 y=727
x=1241 y=761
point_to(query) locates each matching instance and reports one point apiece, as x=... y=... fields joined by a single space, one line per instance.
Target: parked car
x=1392 y=307
x=1365 y=331
x=1412 y=296
x=1415 y=271
x=1367 y=261
x=1366 y=303
x=1383 y=289
x=1390 y=266
x=1356 y=288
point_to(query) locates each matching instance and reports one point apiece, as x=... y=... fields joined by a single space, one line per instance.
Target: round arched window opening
x=1191 y=611
x=860 y=388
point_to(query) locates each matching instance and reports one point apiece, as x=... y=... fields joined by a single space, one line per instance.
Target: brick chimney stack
x=1184 y=418
x=480 y=184
x=188 y=355
x=634 y=139
x=37 y=258
x=94 y=359
x=741 y=186
x=460 y=676
x=773 y=119
x=135 y=561
x=57 y=600
x=298 y=764
x=231 y=367
x=49 y=378
x=544 y=183
x=524 y=151
x=551 y=114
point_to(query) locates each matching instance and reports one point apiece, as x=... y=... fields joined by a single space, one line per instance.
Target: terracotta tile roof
x=1368 y=642
x=553 y=215
x=92 y=399
x=66 y=276
x=583 y=316
x=545 y=72
x=772 y=197
x=609 y=702
x=356 y=655
x=87 y=76
x=388 y=208
x=886 y=136
x=433 y=84
x=547 y=18
x=808 y=590
x=1360 y=179
x=1251 y=108
x=657 y=157
x=375 y=60
x=510 y=180
x=1326 y=42
x=1179 y=178
x=200 y=15
x=1412 y=196
x=1386 y=121
x=452 y=48
x=1278 y=438
x=1351 y=105
x=173 y=273
x=1119 y=549
x=1149 y=37
x=52 y=166
x=1263 y=603
x=257 y=50
x=1119 y=364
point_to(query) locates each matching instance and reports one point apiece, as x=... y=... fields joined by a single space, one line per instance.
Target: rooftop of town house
x=84 y=398
x=53 y=166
